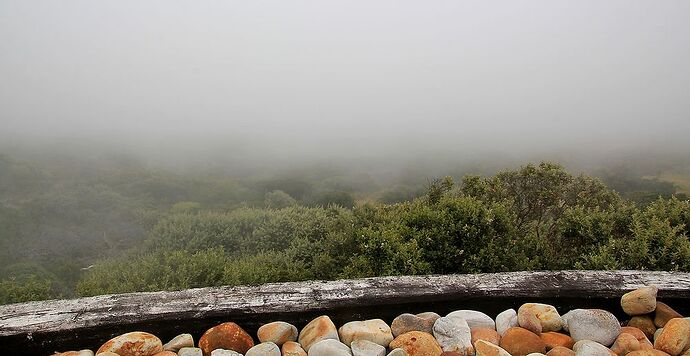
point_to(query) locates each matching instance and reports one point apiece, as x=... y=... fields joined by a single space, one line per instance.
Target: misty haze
x=167 y=145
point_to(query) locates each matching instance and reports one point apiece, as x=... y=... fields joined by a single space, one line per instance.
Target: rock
x=264 y=349
x=520 y=342
x=644 y=323
x=486 y=334
x=398 y=352
x=590 y=348
x=674 y=339
x=639 y=335
x=166 y=353
x=178 y=342
x=536 y=354
x=108 y=353
x=227 y=336
x=528 y=320
x=474 y=319
x=410 y=322
x=453 y=334
x=329 y=347
x=277 y=332
x=548 y=316
x=224 y=352
x=506 y=320
x=484 y=348
x=363 y=347
x=560 y=351
x=592 y=324
x=417 y=343
x=190 y=351
x=374 y=330
x=137 y=343
x=74 y=353
x=450 y=353
x=663 y=313
x=651 y=352
x=553 y=339
x=657 y=333
x=321 y=328
x=640 y=301
x=625 y=343
x=291 y=348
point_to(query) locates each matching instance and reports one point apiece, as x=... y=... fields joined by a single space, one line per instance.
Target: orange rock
x=417 y=343
x=278 y=332
x=166 y=353
x=644 y=323
x=650 y=352
x=228 y=336
x=450 y=353
x=553 y=339
x=663 y=314
x=486 y=334
x=674 y=338
x=291 y=348
x=74 y=353
x=321 y=328
x=137 y=343
x=625 y=343
x=560 y=351
x=639 y=335
x=521 y=342
x=484 y=348
x=528 y=319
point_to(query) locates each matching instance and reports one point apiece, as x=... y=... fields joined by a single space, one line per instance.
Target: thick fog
x=248 y=80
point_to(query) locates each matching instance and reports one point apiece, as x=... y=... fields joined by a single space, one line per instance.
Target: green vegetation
x=128 y=228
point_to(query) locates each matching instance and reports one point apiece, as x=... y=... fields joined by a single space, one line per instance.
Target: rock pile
x=654 y=329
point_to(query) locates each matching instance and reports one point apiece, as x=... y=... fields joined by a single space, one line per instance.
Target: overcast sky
x=348 y=74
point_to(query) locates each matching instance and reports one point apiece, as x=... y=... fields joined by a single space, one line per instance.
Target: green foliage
x=31 y=288
x=339 y=198
x=278 y=199
x=147 y=231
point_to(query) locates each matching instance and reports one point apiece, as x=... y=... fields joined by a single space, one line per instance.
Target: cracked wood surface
x=54 y=323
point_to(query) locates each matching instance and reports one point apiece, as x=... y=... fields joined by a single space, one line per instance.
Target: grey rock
x=363 y=347
x=453 y=334
x=590 y=348
x=329 y=347
x=592 y=324
x=474 y=319
x=264 y=349
x=190 y=351
x=178 y=342
x=506 y=320
x=410 y=322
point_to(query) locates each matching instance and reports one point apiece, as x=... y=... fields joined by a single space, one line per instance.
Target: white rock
x=329 y=347
x=264 y=349
x=592 y=324
x=474 y=319
x=363 y=347
x=398 y=352
x=453 y=334
x=506 y=320
x=178 y=342
x=223 y=352
x=190 y=351
x=590 y=348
